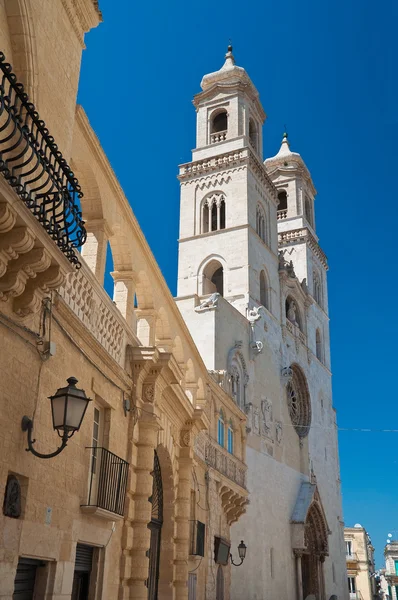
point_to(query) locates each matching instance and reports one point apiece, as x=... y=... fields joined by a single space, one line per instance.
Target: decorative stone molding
x=286 y=238
x=84 y=15
x=286 y=375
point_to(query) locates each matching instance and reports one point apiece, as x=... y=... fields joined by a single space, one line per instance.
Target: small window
x=308 y=211
x=352 y=588
x=213 y=213
x=253 y=134
x=230 y=441
x=319 y=349
x=220 y=122
x=221 y=429
x=317 y=288
x=263 y=290
x=261 y=224
x=282 y=200
x=348 y=548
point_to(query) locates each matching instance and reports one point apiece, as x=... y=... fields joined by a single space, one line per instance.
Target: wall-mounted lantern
x=68 y=407
x=242 y=554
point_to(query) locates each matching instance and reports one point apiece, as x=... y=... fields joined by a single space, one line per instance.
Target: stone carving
x=304 y=285
x=149 y=392
x=287 y=375
x=256 y=421
x=291 y=312
x=278 y=432
x=12 y=498
x=225 y=463
x=249 y=414
x=253 y=314
x=210 y=302
x=266 y=416
x=185 y=437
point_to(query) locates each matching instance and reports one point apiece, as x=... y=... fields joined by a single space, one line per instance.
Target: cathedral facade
x=252 y=289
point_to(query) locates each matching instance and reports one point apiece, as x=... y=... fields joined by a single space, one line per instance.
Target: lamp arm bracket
x=27 y=425
x=235 y=564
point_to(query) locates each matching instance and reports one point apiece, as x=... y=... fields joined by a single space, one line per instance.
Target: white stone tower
x=252 y=289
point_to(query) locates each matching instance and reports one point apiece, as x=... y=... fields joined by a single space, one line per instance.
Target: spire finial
x=229 y=58
x=229 y=45
x=285 y=135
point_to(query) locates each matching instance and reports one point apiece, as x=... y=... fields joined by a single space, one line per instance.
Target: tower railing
x=33 y=166
x=220 y=136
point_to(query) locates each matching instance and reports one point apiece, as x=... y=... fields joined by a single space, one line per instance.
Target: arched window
x=253 y=138
x=293 y=312
x=213 y=278
x=282 y=205
x=213 y=213
x=282 y=200
x=261 y=223
x=319 y=348
x=308 y=211
x=298 y=402
x=230 y=439
x=264 y=297
x=220 y=122
x=221 y=428
x=317 y=288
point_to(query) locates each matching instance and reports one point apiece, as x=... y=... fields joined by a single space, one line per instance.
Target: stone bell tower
x=228 y=235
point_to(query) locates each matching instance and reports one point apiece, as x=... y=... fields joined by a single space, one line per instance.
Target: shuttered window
x=25 y=577
x=84 y=558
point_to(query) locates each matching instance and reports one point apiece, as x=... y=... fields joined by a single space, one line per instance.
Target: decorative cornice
x=83 y=15
x=286 y=238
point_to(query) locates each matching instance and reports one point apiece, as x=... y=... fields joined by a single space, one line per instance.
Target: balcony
x=352 y=557
x=281 y=214
x=220 y=136
x=41 y=227
x=296 y=331
x=220 y=459
x=108 y=484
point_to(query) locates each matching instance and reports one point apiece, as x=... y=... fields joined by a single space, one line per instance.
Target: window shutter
x=84 y=558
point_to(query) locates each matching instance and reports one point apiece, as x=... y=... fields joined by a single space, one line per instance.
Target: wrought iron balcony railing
x=32 y=164
x=108 y=481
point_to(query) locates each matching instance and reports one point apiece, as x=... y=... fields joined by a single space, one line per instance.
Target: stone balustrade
x=221 y=136
x=296 y=331
x=224 y=462
x=92 y=305
x=281 y=214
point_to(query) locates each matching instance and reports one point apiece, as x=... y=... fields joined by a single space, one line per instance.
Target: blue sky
x=325 y=69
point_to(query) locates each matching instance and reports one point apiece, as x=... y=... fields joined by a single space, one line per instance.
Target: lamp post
x=68 y=407
x=242 y=554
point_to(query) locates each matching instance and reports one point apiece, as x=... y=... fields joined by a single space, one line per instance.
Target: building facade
x=360 y=563
x=252 y=289
x=389 y=575
x=133 y=502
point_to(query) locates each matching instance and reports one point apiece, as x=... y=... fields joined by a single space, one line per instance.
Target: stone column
x=299 y=576
x=182 y=539
x=321 y=577
x=94 y=250
x=137 y=535
x=218 y=214
x=123 y=294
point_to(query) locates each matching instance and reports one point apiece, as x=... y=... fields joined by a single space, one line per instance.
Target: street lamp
x=68 y=407
x=242 y=554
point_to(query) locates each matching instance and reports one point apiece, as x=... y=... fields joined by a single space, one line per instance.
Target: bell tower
x=228 y=235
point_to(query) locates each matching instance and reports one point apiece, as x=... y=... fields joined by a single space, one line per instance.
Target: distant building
x=389 y=577
x=360 y=563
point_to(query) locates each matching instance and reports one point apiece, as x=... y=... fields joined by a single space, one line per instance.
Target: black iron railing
x=108 y=480
x=32 y=164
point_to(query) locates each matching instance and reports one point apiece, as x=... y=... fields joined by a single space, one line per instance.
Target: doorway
x=82 y=573
x=155 y=526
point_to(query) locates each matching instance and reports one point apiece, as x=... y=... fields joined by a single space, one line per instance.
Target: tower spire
x=229 y=58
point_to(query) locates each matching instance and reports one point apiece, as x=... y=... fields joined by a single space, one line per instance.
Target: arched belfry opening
x=219 y=122
x=253 y=135
x=155 y=526
x=213 y=278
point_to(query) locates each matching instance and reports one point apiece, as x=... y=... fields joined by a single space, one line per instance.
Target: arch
x=319 y=347
x=213 y=278
x=261 y=223
x=220 y=583
x=109 y=284
x=219 y=121
x=308 y=211
x=299 y=401
x=91 y=203
x=213 y=213
x=190 y=372
x=282 y=200
x=162 y=330
x=178 y=351
x=317 y=288
x=293 y=313
x=316 y=542
x=253 y=134
x=144 y=292
x=23 y=44
x=264 y=290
